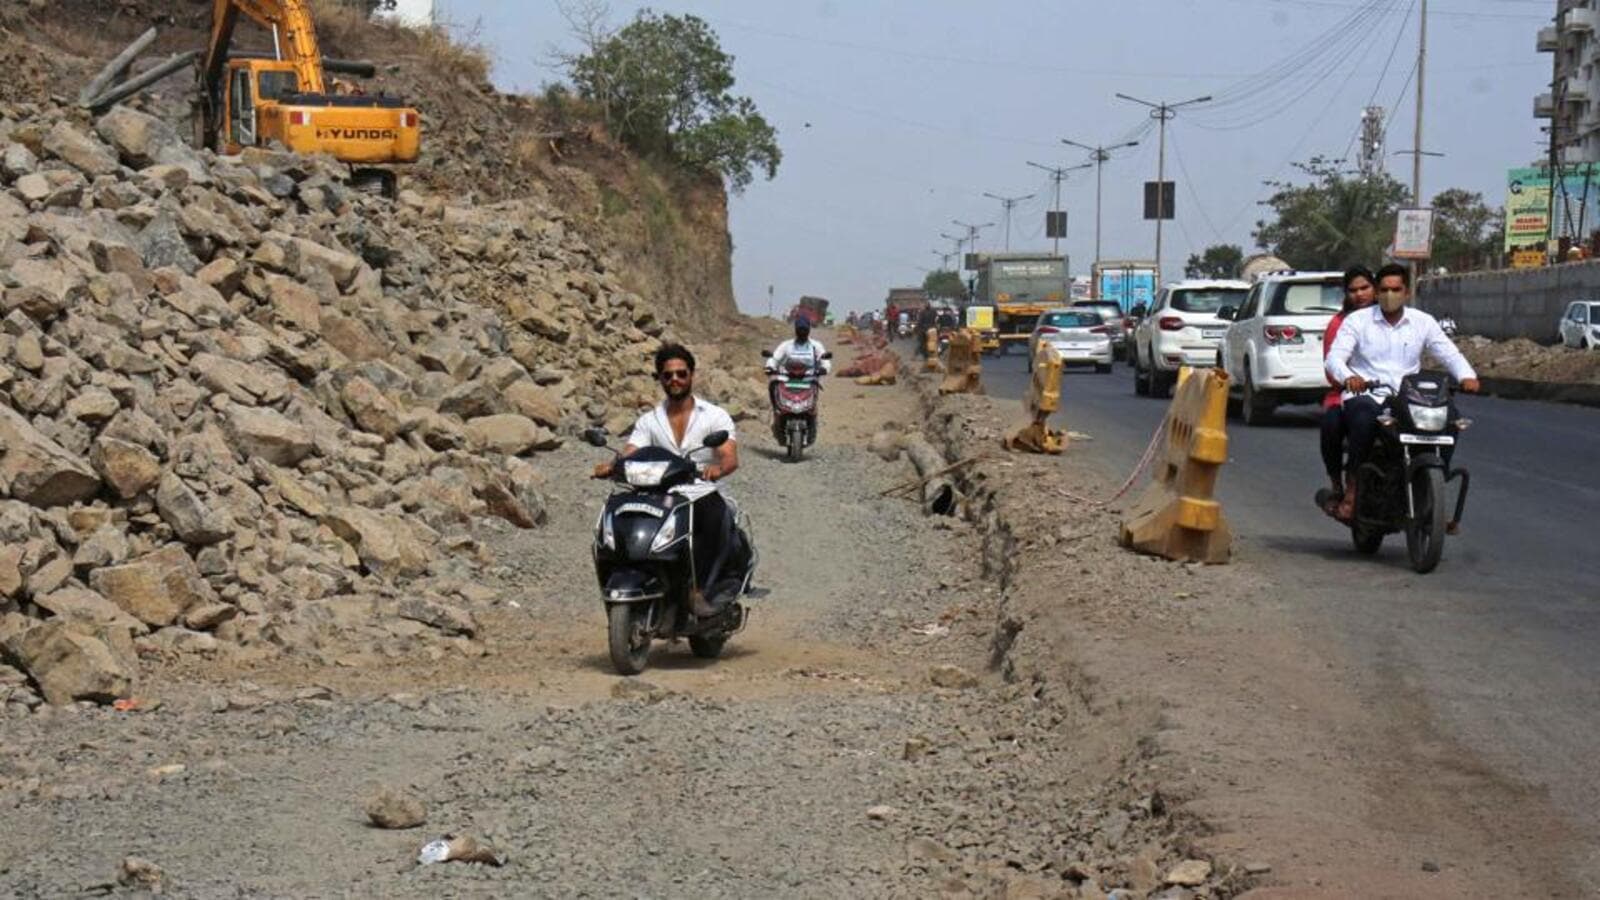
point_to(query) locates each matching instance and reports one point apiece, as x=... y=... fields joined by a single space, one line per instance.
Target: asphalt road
x=1502 y=641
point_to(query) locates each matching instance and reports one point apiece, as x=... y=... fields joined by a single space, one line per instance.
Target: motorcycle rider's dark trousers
x=1333 y=442
x=713 y=539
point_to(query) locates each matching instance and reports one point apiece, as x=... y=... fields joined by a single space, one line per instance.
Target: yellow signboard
x=1527 y=259
x=1527 y=208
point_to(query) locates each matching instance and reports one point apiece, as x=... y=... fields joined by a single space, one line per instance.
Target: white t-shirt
x=809 y=353
x=654 y=430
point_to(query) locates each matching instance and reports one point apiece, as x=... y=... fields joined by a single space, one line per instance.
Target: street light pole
x=972 y=232
x=1008 y=203
x=1058 y=175
x=1163 y=113
x=1099 y=156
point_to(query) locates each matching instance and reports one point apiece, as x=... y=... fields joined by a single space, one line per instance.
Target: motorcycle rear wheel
x=626 y=637
x=1425 y=533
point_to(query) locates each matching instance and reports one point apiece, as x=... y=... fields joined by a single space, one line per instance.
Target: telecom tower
x=1371 y=159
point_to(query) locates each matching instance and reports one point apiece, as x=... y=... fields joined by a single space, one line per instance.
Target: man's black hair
x=1354 y=272
x=673 y=351
x=1395 y=269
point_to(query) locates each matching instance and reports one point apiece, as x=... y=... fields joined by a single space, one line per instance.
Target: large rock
x=369 y=408
x=341 y=265
x=385 y=545
x=43 y=288
x=37 y=470
x=295 y=304
x=144 y=140
x=191 y=519
x=267 y=434
x=85 y=605
x=471 y=399
x=352 y=337
x=129 y=468
x=244 y=383
x=510 y=434
x=69 y=665
x=155 y=588
x=82 y=152
x=537 y=403
x=161 y=244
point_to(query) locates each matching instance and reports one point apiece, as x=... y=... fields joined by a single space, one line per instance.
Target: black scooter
x=644 y=559
x=1401 y=486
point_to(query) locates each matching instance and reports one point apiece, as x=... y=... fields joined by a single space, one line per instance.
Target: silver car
x=1078 y=335
x=1580 y=325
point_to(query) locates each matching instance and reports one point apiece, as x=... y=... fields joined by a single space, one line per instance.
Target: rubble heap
x=239 y=401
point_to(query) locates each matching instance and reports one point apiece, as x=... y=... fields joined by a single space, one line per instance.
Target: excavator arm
x=294 y=37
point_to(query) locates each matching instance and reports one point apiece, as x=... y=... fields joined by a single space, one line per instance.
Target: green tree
x=664 y=87
x=1216 y=261
x=1335 y=221
x=945 y=284
x=1466 y=231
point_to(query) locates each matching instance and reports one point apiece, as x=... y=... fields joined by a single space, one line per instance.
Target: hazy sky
x=895 y=117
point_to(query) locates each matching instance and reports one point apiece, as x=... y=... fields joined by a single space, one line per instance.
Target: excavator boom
x=294 y=35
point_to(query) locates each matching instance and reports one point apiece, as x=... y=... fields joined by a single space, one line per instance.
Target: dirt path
x=750 y=776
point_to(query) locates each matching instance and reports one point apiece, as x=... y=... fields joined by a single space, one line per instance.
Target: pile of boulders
x=242 y=404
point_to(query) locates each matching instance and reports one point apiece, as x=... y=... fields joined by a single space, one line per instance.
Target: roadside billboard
x=1527 y=209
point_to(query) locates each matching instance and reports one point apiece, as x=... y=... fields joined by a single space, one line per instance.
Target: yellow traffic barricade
x=1178 y=516
x=962 y=367
x=1042 y=399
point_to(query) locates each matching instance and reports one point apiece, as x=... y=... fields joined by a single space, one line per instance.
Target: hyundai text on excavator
x=252 y=100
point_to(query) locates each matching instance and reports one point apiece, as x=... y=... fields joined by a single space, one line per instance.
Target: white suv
x=1181 y=329
x=1272 y=350
x=1580 y=325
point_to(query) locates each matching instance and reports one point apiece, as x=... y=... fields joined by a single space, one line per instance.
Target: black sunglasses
x=676 y=375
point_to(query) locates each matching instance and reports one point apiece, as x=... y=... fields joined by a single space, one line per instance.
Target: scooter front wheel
x=628 y=640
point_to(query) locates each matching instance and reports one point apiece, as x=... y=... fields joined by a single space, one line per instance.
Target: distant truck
x=1128 y=282
x=1020 y=287
x=814 y=309
x=906 y=299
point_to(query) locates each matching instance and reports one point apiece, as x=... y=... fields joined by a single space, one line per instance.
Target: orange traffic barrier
x=1177 y=516
x=1042 y=399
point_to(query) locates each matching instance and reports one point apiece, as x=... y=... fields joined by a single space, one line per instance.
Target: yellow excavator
x=251 y=100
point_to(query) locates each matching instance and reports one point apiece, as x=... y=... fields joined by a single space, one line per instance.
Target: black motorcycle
x=645 y=563
x=1401 y=486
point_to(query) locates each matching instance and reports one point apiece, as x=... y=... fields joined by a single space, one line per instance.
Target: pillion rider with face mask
x=1382 y=344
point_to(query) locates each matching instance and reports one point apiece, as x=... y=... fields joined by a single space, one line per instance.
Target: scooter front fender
x=632 y=586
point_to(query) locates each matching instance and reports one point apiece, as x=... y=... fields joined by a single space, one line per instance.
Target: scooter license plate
x=798 y=385
x=1431 y=440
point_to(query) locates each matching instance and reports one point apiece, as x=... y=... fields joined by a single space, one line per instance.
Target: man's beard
x=678 y=390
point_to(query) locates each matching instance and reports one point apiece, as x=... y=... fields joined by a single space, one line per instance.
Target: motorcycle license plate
x=1432 y=440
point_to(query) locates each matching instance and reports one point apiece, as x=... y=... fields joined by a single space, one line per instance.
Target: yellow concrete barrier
x=962 y=364
x=1042 y=399
x=1178 y=516
x=930 y=344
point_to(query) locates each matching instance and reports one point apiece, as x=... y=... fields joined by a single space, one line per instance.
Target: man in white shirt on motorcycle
x=1382 y=344
x=801 y=349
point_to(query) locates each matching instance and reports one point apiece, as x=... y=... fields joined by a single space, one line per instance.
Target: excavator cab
x=250 y=101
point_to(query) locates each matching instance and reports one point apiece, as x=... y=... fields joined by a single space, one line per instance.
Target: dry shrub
x=339 y=25
x=456 y=52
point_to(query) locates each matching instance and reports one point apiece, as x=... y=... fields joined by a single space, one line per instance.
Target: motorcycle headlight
x=665 y=535
x=608 y=536
x=1429 y=418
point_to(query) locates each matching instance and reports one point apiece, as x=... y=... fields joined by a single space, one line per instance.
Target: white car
x=1181 y=329
x=1580 y=325
x=1272 y=350
x=1078 y=335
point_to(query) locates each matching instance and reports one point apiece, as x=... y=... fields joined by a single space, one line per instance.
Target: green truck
x=1020 y=287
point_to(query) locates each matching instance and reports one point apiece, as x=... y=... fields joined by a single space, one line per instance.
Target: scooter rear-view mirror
x=715 y=439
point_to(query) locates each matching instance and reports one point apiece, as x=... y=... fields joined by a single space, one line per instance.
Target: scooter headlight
x=1429 y=418
x=666 y=534
x=608 y=535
